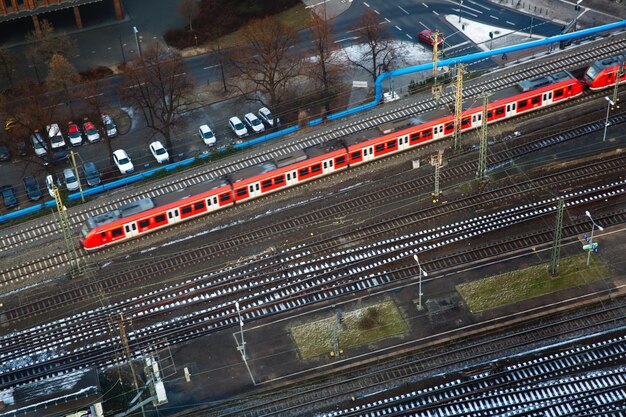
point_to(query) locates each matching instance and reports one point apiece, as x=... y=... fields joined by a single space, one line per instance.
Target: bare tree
x=328 y=65
x=189 y=10
x=159 y=87
x=62 y=76
x=46 y=43
x=93 y=94
x=267 y=63
x=380 y=54
x=7 y=64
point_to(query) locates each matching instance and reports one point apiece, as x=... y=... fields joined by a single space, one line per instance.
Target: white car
x=71 y=182
x=39 y=144
x=266 y=116
x=254 y=123
x=159 y=152
x=74 y=135
x=109 y=125
x=50 y=185
x=207 y=135
x=90 y=131
x=56 y=138
x=238 y=127
x=122 y=161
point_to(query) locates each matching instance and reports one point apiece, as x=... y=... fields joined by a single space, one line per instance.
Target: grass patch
x=358 y=327
x=297 y=18
x=515 y=286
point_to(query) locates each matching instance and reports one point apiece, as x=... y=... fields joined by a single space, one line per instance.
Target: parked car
x=207 y=135
x=31 y=186
x=57 y=156
x=266 y=116
x=8 y=196
x=254 y=123
x=9 y=124
x=91 y=174
x=238 y=127
x=71 y=182
x=122 y=161
x=55 y=135
x=90 y=131
x=4 y=153
x=74 y=135
x=39 y=143
x=428 y=36
x=109 y=125
x=50 y=183
x=159 y=152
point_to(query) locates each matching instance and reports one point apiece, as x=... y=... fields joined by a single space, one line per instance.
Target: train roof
x=323 y=148
x=610 y=61
x=122 y=211
x=291 y=158
x=544 y=80
x=252 y=171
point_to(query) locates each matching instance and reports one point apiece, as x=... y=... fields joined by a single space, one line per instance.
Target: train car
x=142 y=217
x=325 y=159
x=288 y=171
x=604 y=72
x=509 y=102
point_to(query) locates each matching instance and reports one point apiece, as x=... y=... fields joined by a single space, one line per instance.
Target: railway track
x=213 y=305
x=45 y=228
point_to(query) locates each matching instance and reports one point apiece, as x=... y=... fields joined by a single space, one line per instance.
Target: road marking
x=400 y=7
x=182 y=74
x=398 y=27
x=458 y=45
x=435 y=13
x=377 y=12
x=212 y=66
x=471 y=14
x=366 y=5
x=422 y=24
x=409 y=36
x=494 y=17
x=388 y=21
x=479 y=5
x=346 y=39
x=425 y=5
x=510 y=23
x=95 y=95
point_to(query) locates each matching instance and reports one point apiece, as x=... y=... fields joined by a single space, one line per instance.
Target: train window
x=325 y=164
x=103 y=235
x=513 y=106
x=241 y=191
x=127 y=227
x=489 y=114
x=450 y=126
x=288 y=176
x=499 y=111
x=380 y=147
x=415 y=137
x=558 y=93
x=304 y=171
x=392 y=144
x=522 y=104
x=133 y=226
x=185 y=210
x=257 y=186
x=170 y=215
x=536 y=100
x=316 y=168
x=144 y=223
x=330 y=163
x=341 y=159
x=508 y=107
x=279 y=180
x=215 y=200
x=465 y=122
x=356 y=155
x=225 y=197
x=427 y=133
x=176 y=212
x=160 y=218
x=569 y=88
x=116 y=232
x=199 y=205
x=266 y=183
x=252 y=188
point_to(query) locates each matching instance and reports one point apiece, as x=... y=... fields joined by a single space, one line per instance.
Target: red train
x=142 y=217
x=603 y=73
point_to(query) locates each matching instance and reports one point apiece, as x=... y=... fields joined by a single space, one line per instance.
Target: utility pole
x=482 y=151
x=618 y=76
x=435 y=38
x=80 y=187
x=77 y=266
x=124 y=340
x=436 y=161
x=556 y=243
x=458 y=107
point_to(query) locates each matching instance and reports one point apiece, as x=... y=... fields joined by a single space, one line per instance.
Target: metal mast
x=77 y=266
x=556 y=244
x=437 y=90
x=482 y=152
x=436 y=161
x=458 y=106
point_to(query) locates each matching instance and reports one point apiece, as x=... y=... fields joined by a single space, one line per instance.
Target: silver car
x=71 y=182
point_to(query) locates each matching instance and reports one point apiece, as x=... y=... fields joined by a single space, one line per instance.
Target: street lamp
x=137 y=41
x=422 y=272
x=243 y=343
x=593 y=226
x=460 y=5
x=606 y=121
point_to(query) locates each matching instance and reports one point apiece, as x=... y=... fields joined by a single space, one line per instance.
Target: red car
x=428 y=36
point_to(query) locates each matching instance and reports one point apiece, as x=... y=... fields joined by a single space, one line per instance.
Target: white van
x=55 y=135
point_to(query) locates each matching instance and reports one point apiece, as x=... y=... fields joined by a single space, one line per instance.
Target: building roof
x=62 y=4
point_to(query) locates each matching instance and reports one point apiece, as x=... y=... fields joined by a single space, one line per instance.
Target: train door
x=173 y=215
x=403 y=142
x=477 y=119
x=255 y=189
x=131 y=229
x=368 y=152
x=547 y=98
x=510 y=109
x=292 y=178
x=328 y=166
x=438 y=131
